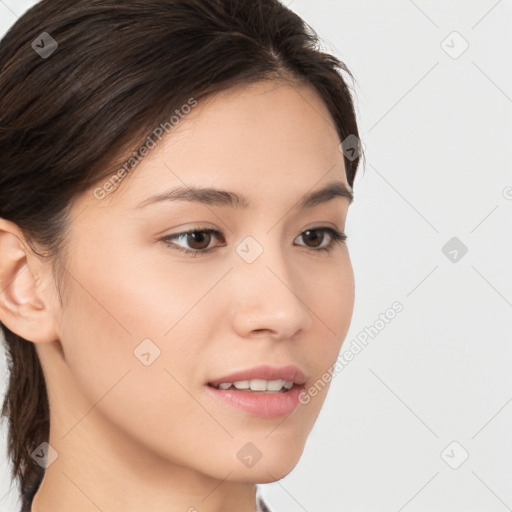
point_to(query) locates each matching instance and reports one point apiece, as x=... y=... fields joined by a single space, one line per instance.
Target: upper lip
x=265 y=372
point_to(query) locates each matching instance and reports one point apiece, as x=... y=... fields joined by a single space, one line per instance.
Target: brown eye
x=198 y=240
x=315 y=236
x=195 y=241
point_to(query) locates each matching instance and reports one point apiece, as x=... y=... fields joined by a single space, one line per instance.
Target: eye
x=335 y=237
x=199 y=240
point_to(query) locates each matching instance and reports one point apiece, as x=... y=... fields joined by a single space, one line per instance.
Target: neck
x=100 y=469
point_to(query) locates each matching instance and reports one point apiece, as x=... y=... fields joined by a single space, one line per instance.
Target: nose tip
x=267 y=304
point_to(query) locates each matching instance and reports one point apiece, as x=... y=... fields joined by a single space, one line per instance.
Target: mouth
x=262 y=391
x=261 y=378
x=256 y=386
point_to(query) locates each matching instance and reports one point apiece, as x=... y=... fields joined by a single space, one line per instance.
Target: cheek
x=331 y=304
x=329 y=294
x=127 y=313
x=109 y=314
x=142 y=396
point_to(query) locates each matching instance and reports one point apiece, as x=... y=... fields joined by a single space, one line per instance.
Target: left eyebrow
x=216 y=197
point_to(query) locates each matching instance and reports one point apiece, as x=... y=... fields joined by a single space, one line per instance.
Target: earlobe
x=23 y=304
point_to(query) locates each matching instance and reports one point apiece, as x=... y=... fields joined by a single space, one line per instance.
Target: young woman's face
x=146 y=328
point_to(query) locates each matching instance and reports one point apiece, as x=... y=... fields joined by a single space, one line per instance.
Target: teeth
x=258 y=385
x=272 y=385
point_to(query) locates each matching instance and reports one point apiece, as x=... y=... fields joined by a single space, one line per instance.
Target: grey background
x=430 y=387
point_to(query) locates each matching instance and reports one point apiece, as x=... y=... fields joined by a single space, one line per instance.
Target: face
x=153 y=317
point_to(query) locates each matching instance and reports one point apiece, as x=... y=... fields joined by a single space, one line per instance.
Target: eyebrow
x=216 y=197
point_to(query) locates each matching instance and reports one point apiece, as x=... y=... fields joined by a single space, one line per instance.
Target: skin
x=131 y=437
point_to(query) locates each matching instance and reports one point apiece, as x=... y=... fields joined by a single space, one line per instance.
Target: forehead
x=258 y=138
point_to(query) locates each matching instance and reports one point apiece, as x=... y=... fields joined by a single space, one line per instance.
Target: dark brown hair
x=118 y=69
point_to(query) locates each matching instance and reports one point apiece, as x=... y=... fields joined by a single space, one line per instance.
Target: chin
x=275 y=463
x=274 y=473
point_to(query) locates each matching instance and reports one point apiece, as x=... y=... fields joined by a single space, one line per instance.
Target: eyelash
x=337 y=237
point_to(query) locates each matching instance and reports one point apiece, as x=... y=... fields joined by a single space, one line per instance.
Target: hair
x=121 y=68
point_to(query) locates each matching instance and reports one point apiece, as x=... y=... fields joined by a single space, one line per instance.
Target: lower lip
x=263 y=405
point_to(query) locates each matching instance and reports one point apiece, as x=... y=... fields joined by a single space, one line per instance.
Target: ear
x=26 y=288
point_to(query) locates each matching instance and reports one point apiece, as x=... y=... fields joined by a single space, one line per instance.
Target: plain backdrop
x=420 y=418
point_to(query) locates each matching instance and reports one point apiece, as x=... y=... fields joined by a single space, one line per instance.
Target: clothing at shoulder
x=261 y=505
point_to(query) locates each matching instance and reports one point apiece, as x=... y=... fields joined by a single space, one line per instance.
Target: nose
x=268 y=297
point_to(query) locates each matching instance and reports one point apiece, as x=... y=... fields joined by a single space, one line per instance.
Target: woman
x=175 y=177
